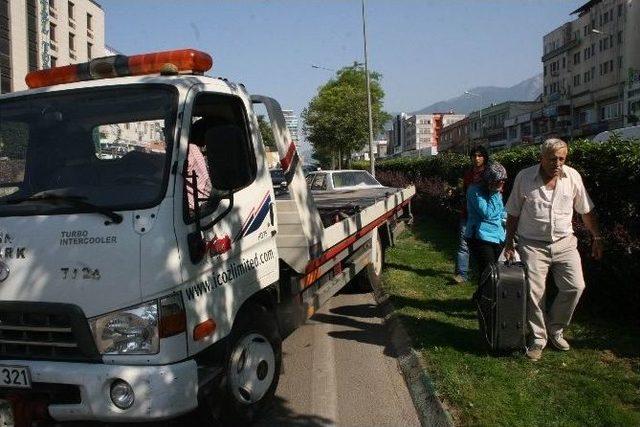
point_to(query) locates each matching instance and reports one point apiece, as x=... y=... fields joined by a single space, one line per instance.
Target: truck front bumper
x=161 y=392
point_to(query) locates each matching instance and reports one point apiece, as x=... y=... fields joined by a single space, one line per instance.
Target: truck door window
x=109 y=147
x=212 y=111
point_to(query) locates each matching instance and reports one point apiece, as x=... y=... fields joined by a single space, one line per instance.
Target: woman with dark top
x=485 y=231
x=479 y=159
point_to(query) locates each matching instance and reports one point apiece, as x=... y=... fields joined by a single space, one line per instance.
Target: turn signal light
x=121 y=65
x=204 y=329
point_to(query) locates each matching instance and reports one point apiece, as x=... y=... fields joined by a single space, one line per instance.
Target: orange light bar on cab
x=120 y=65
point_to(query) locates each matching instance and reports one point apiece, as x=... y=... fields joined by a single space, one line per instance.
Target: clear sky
x=426 y=50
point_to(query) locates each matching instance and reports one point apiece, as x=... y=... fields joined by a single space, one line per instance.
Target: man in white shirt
x=540 y=209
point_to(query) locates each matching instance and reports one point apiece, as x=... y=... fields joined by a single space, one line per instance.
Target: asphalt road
x=339 y=370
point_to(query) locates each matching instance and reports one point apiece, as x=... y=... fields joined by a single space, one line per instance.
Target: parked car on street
x=278 y=180
x=341 y=180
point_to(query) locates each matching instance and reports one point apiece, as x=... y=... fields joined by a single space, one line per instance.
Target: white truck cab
x=146 y=267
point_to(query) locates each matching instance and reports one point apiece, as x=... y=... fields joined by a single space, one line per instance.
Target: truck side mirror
x=228 y=158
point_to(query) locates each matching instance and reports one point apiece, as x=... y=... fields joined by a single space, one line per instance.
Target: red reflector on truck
x=204 y=329
x=182 y=60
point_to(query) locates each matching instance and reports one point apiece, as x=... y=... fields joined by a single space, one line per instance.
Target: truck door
x=220 y=148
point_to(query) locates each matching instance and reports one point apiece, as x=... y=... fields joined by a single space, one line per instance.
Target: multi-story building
x=36 y=34
x=292 y=124
x=487 y=126
x=455 y=137
x=422 y=132
x=586 y=64
x=396 y=135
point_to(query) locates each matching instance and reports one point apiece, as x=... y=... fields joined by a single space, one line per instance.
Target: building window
x=70 y=10
x=619 y=10
x=576 y=80
x=54 y=61
x=576 y=58
x=5 y=51
x=89 y=22
x=593 y=72
x=52 y=4
x=620 y=62
x=544 y=70
x=619 y=37
x=52 y=32
x=564 y=62
x=89 y=50
x=72 y=42
x=32 y=35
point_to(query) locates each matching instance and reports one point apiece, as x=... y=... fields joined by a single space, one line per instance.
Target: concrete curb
x=431 y=410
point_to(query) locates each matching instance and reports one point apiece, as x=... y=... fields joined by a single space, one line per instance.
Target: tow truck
x=137 y=284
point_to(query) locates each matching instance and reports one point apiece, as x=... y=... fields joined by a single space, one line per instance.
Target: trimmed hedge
x=611 y=173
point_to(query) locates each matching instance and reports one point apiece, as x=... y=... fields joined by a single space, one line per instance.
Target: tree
x=266 y=132
x=336 y=120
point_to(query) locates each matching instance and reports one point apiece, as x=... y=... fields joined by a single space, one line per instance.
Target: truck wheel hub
x=252 y=368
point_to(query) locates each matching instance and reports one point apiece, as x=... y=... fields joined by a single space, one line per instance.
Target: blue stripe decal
x=260 y=216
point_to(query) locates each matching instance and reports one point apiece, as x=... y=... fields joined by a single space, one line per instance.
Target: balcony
x=565 y=47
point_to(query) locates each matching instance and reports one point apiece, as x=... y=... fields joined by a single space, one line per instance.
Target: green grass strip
x=596 y=383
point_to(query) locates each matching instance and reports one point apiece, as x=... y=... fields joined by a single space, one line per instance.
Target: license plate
x=15 y=376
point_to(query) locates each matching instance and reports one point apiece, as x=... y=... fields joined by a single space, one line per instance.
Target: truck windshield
x=109 y=147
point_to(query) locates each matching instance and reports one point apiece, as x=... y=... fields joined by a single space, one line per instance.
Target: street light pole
x=479 y=95
x=366 y=71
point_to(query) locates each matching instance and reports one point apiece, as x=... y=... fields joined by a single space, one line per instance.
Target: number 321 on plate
x=15 y=376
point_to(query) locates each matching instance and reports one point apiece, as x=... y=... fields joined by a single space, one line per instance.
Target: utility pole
x=372 y=160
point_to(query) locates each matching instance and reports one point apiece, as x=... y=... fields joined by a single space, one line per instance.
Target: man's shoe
x=459 y=279
x=559 y=343
x=534 y=353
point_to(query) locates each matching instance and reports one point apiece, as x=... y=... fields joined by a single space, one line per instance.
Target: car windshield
x=107 y=147
x=352 y=179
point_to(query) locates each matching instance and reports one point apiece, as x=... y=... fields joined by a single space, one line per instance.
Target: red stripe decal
x=332 y=252
x=286 y=161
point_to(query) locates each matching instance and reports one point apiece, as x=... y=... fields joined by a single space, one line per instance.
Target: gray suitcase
x=501 y=300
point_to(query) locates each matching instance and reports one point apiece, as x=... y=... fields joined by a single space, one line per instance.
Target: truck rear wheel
x=252 y=369
x=369 y=278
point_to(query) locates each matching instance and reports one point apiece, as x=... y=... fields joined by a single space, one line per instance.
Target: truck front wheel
x=252 y=369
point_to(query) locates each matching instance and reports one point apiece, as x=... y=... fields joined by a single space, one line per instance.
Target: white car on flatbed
x=146 y=268
x=340 y=180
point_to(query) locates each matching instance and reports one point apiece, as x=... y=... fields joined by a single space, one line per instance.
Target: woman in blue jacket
x=485 y=215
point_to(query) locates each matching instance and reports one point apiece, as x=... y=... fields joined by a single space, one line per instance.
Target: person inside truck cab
x=197 y=163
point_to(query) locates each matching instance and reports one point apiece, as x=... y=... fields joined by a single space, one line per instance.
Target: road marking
x=324 y=390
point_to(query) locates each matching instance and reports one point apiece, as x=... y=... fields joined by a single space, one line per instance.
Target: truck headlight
x=133 y=330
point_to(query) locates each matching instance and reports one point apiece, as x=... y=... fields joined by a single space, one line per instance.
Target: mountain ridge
x=527 y=90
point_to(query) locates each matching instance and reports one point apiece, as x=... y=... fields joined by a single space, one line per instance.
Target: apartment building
x=455 y=137
x=487 y=126
x=292 y=124
x=36 y=34
x=422 y=132
x=586 y=65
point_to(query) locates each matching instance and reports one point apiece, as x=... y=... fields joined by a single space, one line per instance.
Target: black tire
x=232 y=404
x=368 y=279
